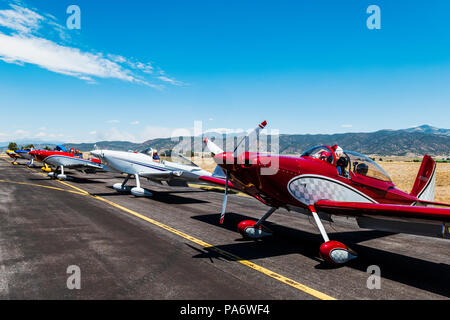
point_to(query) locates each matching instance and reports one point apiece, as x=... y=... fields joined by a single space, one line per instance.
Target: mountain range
x=405 y=142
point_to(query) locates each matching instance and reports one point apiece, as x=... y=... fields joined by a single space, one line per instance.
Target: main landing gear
x=331 y=251
x=250 y=229
x=55 y=174
x=136 y=191
x=46 y=168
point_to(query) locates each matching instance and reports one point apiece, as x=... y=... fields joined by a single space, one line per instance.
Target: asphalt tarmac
x=171 y=246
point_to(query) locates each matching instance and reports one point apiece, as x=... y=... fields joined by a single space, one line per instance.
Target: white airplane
x=142 y=165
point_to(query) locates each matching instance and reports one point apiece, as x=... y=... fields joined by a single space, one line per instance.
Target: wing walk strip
x=249 y=264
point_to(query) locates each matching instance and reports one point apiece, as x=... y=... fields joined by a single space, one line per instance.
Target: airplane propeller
x=260 y=127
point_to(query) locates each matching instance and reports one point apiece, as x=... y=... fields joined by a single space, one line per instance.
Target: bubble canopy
x=358 y=164
x=170 y=156
x=362 y=165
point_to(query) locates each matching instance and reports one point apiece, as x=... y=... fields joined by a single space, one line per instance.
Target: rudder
x=425 y=182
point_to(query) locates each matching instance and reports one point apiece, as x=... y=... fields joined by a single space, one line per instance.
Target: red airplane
x=321 y=184
x=61 y=159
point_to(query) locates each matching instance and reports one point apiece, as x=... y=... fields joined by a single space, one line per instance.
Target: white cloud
x=21 y=132
x=144 y=67
x=169 y=80
x=40 y=135
x=60 y=59
x=93 y=132
x=23 y=46
x=114 y=134
x=113 y=121
x=151 y=132
x=346 y=125
x=134 y=123
x=20 y=19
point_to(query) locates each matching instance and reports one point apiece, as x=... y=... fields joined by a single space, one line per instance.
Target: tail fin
x=219 y=173
x=425 y=182
x=213 y=148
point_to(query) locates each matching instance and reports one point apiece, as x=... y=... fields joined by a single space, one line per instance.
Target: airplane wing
x=82 y=165
x=425 y=221
x=162 y=175
x=400 y=212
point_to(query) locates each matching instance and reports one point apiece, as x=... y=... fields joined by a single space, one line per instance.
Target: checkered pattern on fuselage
x=309 y=190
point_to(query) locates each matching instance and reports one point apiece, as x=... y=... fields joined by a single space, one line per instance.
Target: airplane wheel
x=140 y=192
x=336 y=253
x=248 y=230
x=125 y=189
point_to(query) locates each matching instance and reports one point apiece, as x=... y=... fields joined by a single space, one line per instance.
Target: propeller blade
x=261 y=126
x=225 y=198
x=212 y=147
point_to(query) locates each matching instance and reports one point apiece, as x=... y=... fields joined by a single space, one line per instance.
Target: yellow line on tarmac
x=41 y=186
x=246 y=263
x=202 y=186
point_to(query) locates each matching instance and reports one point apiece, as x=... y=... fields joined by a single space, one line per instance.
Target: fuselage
x=138 y=163
x=59 y=158
x=300 y=181
x=24 y=154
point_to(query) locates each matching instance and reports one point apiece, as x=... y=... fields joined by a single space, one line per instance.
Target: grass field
x=402 y=173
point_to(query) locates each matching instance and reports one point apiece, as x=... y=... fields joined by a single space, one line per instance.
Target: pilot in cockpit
x=341 y=160
x=325 y=156
x=156 y=158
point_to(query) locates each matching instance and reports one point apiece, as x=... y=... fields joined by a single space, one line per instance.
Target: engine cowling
x=336 y=252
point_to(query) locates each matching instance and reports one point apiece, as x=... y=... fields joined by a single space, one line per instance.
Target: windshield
x=362 y=165
x=167 y=155
x=147 y=151
x=177 y=158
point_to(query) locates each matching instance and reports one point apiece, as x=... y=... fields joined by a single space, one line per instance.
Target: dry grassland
x=404 y=173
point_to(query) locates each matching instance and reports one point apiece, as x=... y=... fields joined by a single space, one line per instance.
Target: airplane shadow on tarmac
x=426 y=275
x=168 y=197
x=70 y=179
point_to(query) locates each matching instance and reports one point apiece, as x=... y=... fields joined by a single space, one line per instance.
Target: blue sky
x=138 y=69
